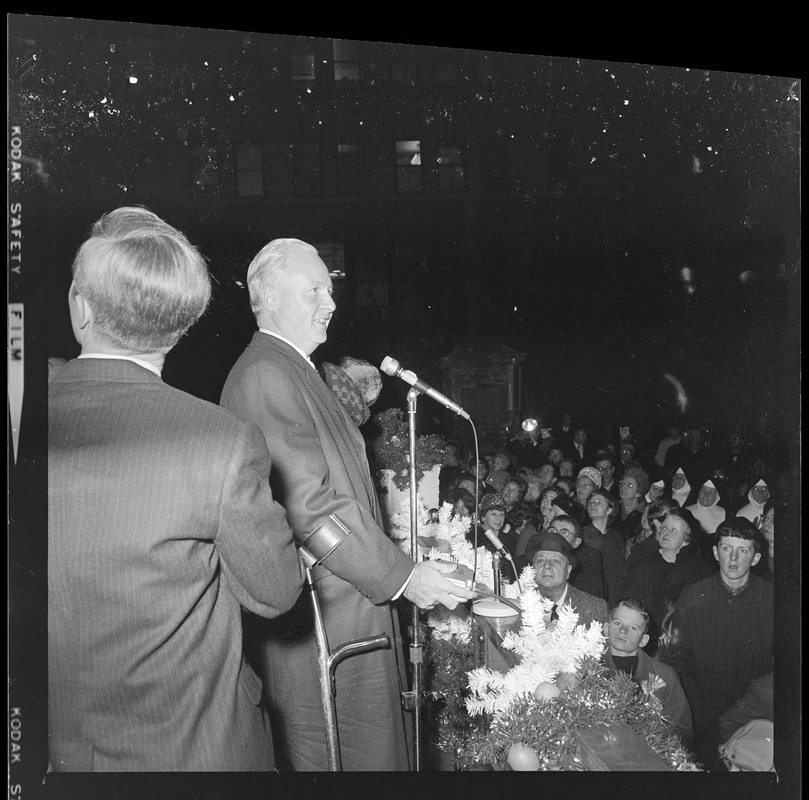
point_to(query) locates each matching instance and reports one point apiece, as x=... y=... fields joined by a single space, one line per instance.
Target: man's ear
x=756 y=559
x=644 y=640
x=81 y=315
x=715 y=553
x=268 y=298
x=577 y=542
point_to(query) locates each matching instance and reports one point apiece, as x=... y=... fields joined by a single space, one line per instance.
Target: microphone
x=391 y=367
x=492 y=537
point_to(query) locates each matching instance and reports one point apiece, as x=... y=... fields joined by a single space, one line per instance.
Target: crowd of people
x=671 y=547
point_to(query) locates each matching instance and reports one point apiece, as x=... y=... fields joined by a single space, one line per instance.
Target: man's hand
x=428 y=587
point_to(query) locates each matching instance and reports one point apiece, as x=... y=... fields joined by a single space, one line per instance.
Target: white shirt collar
x=294 y=346
x=138 y=361
x=561 y=601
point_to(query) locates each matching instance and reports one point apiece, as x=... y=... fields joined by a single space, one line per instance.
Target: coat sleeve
x=315 y=473
x=254 y=541
x=681 y=655
x=675 y=704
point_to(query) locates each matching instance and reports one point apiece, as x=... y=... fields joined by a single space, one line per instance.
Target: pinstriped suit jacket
x=161 y=524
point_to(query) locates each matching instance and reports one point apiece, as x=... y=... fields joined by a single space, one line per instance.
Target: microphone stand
x=413 y=698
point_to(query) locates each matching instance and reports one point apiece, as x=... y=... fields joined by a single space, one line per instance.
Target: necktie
x=554 y=614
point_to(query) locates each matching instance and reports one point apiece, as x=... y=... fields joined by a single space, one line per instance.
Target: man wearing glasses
x=588 y=574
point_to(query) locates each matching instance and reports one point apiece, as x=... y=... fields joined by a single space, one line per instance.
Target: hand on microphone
x=428 y=587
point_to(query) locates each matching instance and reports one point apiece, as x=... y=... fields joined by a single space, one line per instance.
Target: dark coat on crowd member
x=658 y=583
x=758 y=702
x=630 y=526
x=588 y=574
x=672 y=697
x=723 y=642
x=611 y=546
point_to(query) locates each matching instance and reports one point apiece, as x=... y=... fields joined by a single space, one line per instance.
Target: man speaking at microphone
x=320 y=472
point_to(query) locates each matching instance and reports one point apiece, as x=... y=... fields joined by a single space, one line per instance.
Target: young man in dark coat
x=723 y=633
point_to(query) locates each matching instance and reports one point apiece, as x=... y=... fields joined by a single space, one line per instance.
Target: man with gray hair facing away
x=161 y=524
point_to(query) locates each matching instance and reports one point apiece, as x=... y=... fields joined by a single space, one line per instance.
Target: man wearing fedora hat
x=553 y=559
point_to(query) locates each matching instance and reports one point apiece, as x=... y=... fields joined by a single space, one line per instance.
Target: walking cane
x=319 y=545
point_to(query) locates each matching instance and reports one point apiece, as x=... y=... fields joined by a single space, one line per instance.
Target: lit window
x=346 y=65
x=332 y=255
x=249 y=170
x=408 y=166
x=450 y=169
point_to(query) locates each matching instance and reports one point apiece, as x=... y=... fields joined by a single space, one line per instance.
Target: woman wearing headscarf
x=587 y=481
x=680 y=487
x=656 y=491
x=707 y=510
x=758 y=496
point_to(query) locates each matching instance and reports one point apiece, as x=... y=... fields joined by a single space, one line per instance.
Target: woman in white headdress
x=758 y=496
x=656 y=491
x=707 y=510
x=680 y=487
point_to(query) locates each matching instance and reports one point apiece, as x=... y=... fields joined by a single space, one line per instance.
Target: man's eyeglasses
x=561 y=531
x=668 y=529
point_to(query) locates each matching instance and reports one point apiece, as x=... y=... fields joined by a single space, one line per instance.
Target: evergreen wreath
x=391 y=448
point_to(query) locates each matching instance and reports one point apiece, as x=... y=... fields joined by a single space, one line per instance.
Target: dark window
x=205 y=171
x=306 y=166
x=302 y=67
x=147 y=171
x=249 y=170
x=350 y=169
x=450 y=169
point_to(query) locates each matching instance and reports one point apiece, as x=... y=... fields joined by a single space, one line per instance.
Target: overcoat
x=320 y=468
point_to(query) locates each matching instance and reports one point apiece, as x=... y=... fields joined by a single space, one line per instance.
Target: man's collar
x=291 y=344
x=561 y=600
x=140 y=362
x=734 y=591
